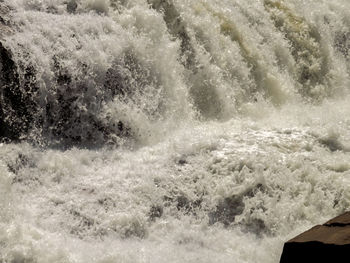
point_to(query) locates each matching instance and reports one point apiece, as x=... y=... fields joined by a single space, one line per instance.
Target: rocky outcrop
x=7 y=75
x=20 y=112
x=323 y=243
x=15 y=117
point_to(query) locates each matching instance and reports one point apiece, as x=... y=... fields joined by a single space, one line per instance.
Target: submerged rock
x=72 y=6
x=230 y=207
x=342 y=43
x=323 y=243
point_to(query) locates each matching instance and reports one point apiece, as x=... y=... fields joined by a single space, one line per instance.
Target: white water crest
x=171 y=130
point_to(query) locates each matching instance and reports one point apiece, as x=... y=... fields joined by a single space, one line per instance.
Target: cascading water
x=170 y=130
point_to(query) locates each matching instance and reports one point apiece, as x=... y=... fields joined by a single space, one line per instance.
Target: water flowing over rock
x=170 y=130
x=120 y=92
x=10 y=98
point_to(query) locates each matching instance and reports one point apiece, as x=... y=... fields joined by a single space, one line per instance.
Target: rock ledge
x=323 y=243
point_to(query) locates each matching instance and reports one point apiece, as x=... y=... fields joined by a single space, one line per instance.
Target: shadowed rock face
x=323 y=243
x=14 y=115
x=230 y=207
x=8 y=96
x=15 y=102
x=19 y=110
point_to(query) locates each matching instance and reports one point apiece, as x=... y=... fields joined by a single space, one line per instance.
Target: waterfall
x=170 y=130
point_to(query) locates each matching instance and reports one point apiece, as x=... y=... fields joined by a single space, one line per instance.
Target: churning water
x=170 y=130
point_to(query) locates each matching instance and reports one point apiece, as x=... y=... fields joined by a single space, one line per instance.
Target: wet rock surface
x=323 y=243
x=15 y=104
x=9 y=96
x=19 y=100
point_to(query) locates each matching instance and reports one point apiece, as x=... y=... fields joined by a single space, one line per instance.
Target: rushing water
x=171 y=130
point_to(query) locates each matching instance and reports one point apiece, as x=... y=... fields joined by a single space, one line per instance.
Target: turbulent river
x=170 y=130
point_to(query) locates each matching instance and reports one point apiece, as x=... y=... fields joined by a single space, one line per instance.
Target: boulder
x=329 y=242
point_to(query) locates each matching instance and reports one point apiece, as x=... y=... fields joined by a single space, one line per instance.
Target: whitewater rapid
x=170 y=131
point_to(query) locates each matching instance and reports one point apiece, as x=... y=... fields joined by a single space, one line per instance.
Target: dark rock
x=183 y=203
x=333 y=144
x=227 y=210
x=15 y=117
x=70 y=110
x=182 y=161
x=156 y=211
x=230 y=207
x=323 y=243
x=342 y=43
x=72 y=6
x=15 y=105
